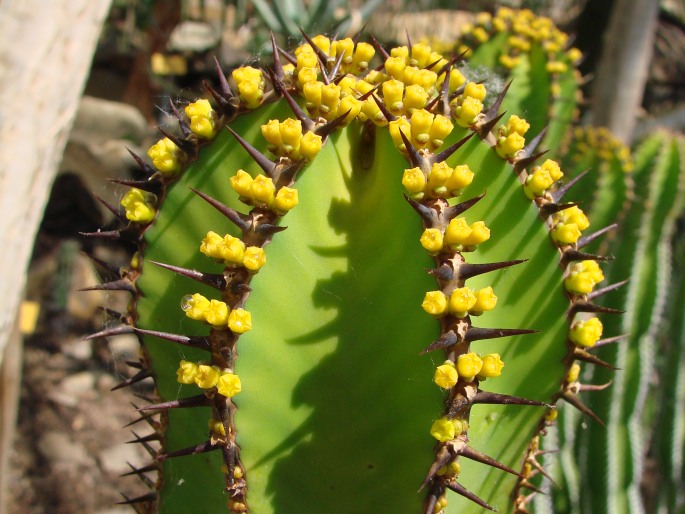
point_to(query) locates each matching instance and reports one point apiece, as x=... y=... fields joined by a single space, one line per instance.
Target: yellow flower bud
x=254 y=258
x=518 y=125
x=479 y=234
x=363 y=54
x=457 y=79
x=217 y=313
x=285 y=200
x=211 y=245
x=139 y=205
x=443 y=430
x=241 y=183
x=440 y=129
x=393 y=92
x=250 y=84
x=437 y=179
x=552 y=167
x=565 y=234
x=330 y=99
x=349 y=105
x=343 y=47
x=228 y=385
x=195 y=306
x=462 y=301
x=262 y=190
x=394 y=66
x=586 y=333
x=431 y=240
x=232 y=249
x=573 y=373
x=461 y=177
x=467 y=113
x=201 y=117
x=551 y=415
x=508 y=146
x=310 y=145
x=446 y=375
x=216 y=426
x=537 y=183
x=476 y=91
x=485 y=300
x=207 y=376
x=186 y=373
x=414 y=180
x=165 y=156
x=492 y=366
x=457 y=232
x=421 y=121
x=272 y=133
x=435 y=303
x=240 y=321
x=307 y=60
x=468 y=366
x=307 y=75
x=420 y=54
x=415 y=97
x=395 y=127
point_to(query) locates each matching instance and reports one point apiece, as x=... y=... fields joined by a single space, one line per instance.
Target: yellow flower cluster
x=216 y=313
x=165 y=156
x=468 y=366
x=442 y=181
x=541 y=178
x=527 y=28
x=261 y=191
x=586 y=332
x=329 y=101
x=232 y=250
x=461 y=302
x=251 y=84
x=568 y=225
x=285 y=139
x=583 y=276
x=459 y=236
x=206 y=376
x=202 y=118
x=424 y=130
x=445 y=429
x=467 y=107
x=510 y=138
x=139 y=205
x=601 y=142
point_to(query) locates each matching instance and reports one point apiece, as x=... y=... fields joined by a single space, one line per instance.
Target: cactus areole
x=357 y=287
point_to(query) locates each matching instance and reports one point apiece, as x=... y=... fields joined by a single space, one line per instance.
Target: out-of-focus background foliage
x=69 y=451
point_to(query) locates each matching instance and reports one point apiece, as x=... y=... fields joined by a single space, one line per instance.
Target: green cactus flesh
x=337 y=404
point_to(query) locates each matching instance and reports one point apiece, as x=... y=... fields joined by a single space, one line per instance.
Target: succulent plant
x=356 y=281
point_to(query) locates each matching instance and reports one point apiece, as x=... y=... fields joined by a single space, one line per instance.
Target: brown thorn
x=552 y=208
x=323 y=57
x=262 y=160
x=307 y=123
x=543 y=472
x=141 y=475
x=466 y=270
x=461 y=490
x=610 y=340
x=523 y=162
x=492 y=111
x=577 y=307
x=239 y=220
x=445 y=340
x=330 y=126
x=488 y=124
x=381 y=50
x=441 y=459
x=149 y=497
x=388 y=115
x=487 y=397
x=583 y=355
x=477 y=334
x=431 y=500
x=530 y=148
x=415 y=158
x=575 y=401
x=106 y=234
x=109 y=272
x=148 y=448
x=111 y=208
x=473 y=454
x=199 y=400
x=123 y=284
x=593 y=387
x=146 y=168
x=151 y=185
x=138 y=377
x=214 y=280
x=199 y=342
x=444 y=272
x=278 y=66
x=145 y=439
x=187 y=146
x=571 y=255
x=455 y=210
x=140 y=471
x=205 y=447
x=109 y=332
x=559 y=193
x=586 y=240
x=428 y=215
x=183 y=125
x=447 y=152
